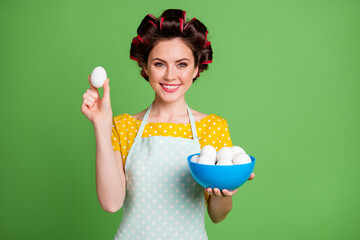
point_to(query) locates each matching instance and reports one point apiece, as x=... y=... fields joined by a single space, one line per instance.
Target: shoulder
x=209 y=118
x=139 y=116
x=216 y=118
x=123 y=119
x=198 y=116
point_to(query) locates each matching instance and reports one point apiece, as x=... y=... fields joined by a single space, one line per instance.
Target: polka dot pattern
x=212 y=130
x=162 y=200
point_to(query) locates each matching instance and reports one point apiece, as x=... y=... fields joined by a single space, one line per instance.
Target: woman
x=141 y=159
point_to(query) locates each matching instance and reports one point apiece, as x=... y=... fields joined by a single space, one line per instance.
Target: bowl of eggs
x=229 y=168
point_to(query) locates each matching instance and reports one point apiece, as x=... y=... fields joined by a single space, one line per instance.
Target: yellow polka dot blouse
x=212 y=130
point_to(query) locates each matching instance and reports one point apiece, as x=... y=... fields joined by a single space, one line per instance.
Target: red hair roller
x=136 y=41
x=161 y=22
x=152 y=16
x=187 y=24
x=133 y=58
x=153 y=24
x=210 y=61
x=207 y=44
x=181 y=24
x=140 y=38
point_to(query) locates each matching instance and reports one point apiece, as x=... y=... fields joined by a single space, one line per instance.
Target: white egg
x=236 y=150
x=209 y=151
x=224 y=163
x=194 y=158
x=98 y=77
x=206 y=160
x=224 y=153
x=241 y=158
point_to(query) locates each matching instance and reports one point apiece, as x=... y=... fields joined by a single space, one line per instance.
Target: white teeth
x=170 y=87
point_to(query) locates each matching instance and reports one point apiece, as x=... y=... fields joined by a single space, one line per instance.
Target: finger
x=252 y=176
x=93 y=93
x=89 y=103
x=92 y=87
x=217 y=192
x=106 y=89
x=84 y=108
x=229 y=193
x=210 y=191
x=89 y=97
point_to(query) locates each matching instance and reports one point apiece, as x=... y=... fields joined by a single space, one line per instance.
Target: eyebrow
x=175 y=61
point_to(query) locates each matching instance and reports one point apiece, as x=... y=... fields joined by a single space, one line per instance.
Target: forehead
x=171 y=50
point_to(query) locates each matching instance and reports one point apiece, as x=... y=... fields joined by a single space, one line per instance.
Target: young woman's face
x=171 y=69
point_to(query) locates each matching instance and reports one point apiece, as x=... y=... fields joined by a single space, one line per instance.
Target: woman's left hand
x=225 y=193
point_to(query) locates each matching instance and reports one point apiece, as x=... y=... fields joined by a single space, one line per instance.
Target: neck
x=168 y=110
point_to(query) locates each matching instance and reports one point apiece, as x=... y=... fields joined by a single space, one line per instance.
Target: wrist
x=225 y=202
x=101 y=129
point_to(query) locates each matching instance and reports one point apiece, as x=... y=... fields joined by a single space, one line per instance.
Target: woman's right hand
x=97 y=110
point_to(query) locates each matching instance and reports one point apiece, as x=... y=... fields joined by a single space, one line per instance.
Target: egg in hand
x=98 y=77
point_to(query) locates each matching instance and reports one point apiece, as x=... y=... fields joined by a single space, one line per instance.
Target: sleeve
x=223 y=137
x=115 y=139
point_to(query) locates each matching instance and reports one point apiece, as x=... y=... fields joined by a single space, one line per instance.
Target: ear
x=146 y=70
x=196 y=70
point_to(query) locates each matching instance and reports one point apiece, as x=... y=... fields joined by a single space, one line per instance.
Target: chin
x=170 y=99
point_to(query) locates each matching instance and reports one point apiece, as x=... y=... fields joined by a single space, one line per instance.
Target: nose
x=170 y=74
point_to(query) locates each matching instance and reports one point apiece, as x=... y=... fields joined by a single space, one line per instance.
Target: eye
x=182 y=65
x=158 y=64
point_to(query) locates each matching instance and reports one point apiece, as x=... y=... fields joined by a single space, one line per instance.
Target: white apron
x=162 y=199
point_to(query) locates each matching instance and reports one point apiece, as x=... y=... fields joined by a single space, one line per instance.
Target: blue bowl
x=222 y=177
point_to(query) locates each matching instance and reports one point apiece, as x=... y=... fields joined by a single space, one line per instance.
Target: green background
x=285 y=75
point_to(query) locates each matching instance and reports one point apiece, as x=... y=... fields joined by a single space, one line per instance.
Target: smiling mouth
x=170 y=87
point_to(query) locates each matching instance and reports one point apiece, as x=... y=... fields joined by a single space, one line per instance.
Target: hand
x=252 y=175
x=225 y=193
x=97 y=110
x=220 y=193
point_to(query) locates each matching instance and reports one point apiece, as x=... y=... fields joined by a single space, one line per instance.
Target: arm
x=220 y=202
x=218 y=207
x=110 y=175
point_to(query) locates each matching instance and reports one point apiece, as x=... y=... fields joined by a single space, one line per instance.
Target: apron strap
x=192 y=122
x=144 y=120
x=142 y=126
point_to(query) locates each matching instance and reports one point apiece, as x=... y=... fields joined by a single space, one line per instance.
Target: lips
x=170 y=88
